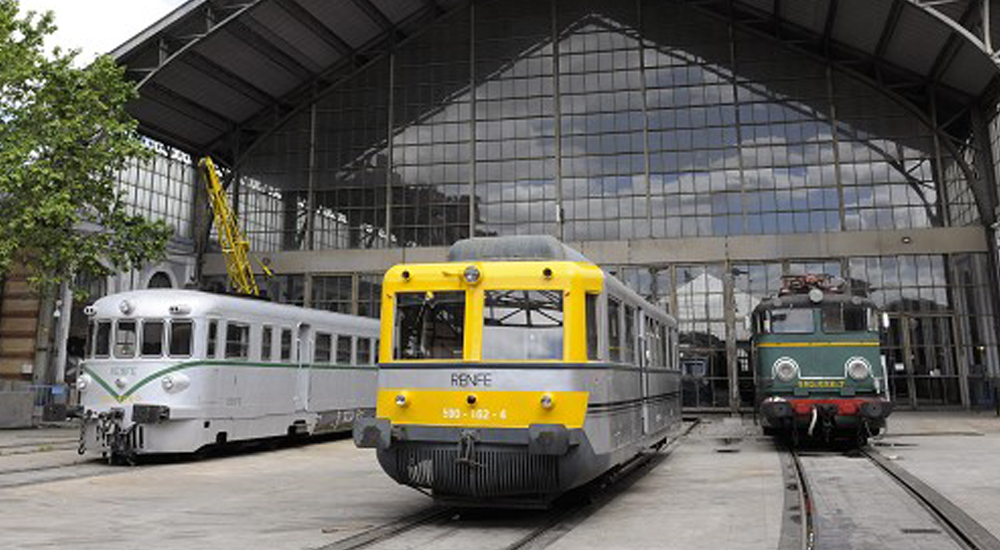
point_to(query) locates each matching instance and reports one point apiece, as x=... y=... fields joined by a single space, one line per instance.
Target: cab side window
x=213 y=336
x=180 y=338
x=614 y=330
x=152 y=338
x=102 y=339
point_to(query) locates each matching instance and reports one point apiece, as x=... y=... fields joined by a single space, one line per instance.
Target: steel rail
x=392 y=529
x=600 y=494
x=961 y=526
x=804 y=536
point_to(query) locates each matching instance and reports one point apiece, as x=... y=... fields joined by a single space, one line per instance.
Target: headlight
x=785 y=369
x=471 y=275
x=83 y=382
x=858 y=368
x=174 y=382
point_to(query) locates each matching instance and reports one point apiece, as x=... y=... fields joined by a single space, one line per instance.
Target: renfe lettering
x=466 y=380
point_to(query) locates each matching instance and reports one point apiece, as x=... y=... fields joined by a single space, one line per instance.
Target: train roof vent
x=518 y=248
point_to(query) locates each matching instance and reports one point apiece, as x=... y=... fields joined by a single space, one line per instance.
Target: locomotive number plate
x=821 y=383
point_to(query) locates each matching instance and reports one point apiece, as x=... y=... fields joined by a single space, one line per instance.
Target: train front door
x=303 y=358
x=921 y=356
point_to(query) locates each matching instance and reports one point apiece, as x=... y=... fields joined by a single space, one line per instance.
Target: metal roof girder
x=201 y=109
x=928 y=8
x=376 y=15
x=267 y=48
x=307 y=19
x=218 y=26
x=952 y=46
x=831 y=17
x=888 y=29
x=228 y=78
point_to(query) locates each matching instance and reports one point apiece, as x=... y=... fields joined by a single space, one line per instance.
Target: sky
x=98 y=26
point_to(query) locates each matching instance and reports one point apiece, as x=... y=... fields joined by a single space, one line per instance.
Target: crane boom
x=234 y=246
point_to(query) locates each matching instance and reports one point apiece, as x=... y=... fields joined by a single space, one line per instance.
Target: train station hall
x=698 y=149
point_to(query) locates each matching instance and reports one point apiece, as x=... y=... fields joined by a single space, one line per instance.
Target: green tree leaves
x=64 y=136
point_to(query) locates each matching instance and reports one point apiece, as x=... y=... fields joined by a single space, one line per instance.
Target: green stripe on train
x=193 y=364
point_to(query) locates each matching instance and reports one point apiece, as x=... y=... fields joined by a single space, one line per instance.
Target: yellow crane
x=234 y=246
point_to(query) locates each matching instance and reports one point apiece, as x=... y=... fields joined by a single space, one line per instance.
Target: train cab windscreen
x=429 y=325
x=849 y=318
x=523 y=324
x=789 y=321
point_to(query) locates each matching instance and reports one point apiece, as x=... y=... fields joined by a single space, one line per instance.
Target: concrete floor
x=721 y=488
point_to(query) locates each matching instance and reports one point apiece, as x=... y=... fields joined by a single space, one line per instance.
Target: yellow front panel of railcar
x=492 y=409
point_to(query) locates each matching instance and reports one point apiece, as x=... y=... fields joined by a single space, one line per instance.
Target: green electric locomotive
x=818 y=362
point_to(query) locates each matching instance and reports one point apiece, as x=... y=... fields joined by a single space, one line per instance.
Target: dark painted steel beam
x=374 y=14
x=888 y=29
x=776 y=17
x=307 y=19
x=192 y=108
x=831 y=18
x=228 y=78
x=953 y=45
x=265 y=47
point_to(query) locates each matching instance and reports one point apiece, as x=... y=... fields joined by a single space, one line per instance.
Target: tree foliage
x=64 y=136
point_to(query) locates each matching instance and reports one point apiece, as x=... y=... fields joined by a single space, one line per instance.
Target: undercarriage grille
x=492 y=471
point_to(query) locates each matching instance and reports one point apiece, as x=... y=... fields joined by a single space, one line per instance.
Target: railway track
x=569 y=512
x=822 y=505
x=963 y=528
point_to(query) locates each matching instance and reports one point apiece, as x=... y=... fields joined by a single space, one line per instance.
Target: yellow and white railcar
x=516 y=371
x=172 y=371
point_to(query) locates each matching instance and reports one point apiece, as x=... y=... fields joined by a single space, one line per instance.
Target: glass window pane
x=324 y=345
x=266 y=335
x=791 y=321
x=614 y=330
x=364 y=351
x=343 y=350
x=125 y=338
x=237 y=341
x=180 y=338
x=102 y=342
x=630 y=334
x=592 y=350
x=523 y=324
x=429 y=325
x=213 y=335
x=152 y=338
x=286 y=344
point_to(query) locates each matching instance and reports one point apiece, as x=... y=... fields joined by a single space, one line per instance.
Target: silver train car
x=173 y=371
x=516 y=371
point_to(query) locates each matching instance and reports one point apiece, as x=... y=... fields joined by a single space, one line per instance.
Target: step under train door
x=303 y=358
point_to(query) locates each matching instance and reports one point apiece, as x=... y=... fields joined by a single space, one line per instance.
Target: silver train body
x=631 y=389
x=173 y=371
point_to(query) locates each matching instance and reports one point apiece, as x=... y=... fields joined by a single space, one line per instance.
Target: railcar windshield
x=125 y=339
x=848 y=318
x=181 y=333
x=790 y=321
x=523 y=324
x=429 y=325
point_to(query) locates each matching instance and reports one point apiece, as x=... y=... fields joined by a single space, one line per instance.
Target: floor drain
x=920 y=531
x=727 y=450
